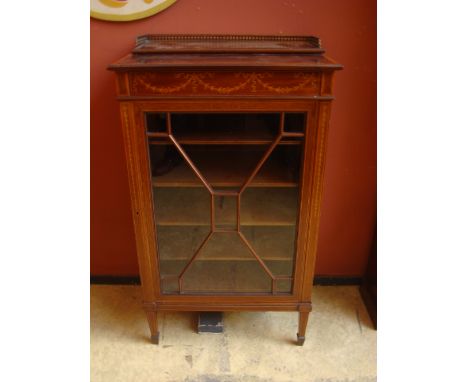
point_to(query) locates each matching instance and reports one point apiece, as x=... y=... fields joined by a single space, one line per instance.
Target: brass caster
x=155 y=339
x=300 y=340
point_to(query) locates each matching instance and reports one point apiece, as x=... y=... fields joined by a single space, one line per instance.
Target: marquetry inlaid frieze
x=224 y=83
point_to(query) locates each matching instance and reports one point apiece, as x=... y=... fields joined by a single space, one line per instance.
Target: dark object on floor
x=210 y=322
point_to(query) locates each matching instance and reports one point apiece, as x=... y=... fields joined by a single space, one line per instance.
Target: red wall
x=347 y=29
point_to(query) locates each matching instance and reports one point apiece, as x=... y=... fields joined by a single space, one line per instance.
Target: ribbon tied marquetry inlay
x=224 y=83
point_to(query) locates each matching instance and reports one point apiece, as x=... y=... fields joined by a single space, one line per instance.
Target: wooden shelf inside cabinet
x=215 y=276
x=227 y=171
x=225 y=141
x=224 y=138
x=200 y=140
x=259 y=207
x=272 y=243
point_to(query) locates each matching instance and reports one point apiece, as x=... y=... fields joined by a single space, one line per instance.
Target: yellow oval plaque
x=127 y=10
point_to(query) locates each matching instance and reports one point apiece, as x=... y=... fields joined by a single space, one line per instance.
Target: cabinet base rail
x=151 y=309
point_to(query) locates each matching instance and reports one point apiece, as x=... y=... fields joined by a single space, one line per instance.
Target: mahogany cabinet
x=225 y=141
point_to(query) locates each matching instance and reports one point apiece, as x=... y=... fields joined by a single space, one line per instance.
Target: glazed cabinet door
x=226 y=195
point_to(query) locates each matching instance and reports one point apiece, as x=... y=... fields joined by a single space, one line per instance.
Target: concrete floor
x=340 y=343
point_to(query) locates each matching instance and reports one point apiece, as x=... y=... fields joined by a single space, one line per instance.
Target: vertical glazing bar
x=274 y=287
x=168 y=123
x=238 y=212
x=212 y=212
x=281 y=123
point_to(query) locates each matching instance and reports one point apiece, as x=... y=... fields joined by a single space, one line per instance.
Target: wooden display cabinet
x=225 y=142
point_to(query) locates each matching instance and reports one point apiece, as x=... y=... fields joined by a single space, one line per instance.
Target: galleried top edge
x=230 y=52
x=152 y=43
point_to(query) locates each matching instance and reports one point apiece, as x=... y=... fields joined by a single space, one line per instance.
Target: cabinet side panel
x=306 y=198
x=140 y=193
x=312 y=209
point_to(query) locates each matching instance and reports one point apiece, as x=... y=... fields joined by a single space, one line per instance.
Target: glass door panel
x=225 y=188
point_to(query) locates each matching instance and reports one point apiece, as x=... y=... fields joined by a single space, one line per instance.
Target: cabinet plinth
x=225 y=141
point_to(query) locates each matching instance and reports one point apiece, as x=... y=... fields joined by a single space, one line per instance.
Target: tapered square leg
x=152 y=318
x=303 y=318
